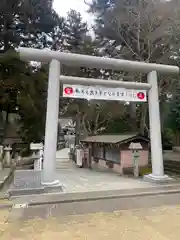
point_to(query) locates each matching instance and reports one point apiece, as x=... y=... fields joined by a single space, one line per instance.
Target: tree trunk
x=132 y=109
x=1 y=127
x=6 y=124
x=164 y=111
x=144 y=111
x=78 y=129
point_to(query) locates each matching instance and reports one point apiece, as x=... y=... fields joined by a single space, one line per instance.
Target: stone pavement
x=83 y=180
x=73 y=180
x=150 y=223
x=84 y=185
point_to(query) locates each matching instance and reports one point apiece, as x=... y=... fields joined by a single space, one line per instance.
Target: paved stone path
x=83 y=180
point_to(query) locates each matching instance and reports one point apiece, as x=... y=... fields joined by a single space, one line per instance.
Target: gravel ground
x=161 y=223
x=153 y=218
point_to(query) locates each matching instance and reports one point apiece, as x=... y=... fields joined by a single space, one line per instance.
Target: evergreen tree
x=31 y=102
x=174 y=117
x=76 y=31
x=29 y=23
x=26 y=23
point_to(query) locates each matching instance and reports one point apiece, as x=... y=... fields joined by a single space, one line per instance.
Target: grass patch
x=145 y=171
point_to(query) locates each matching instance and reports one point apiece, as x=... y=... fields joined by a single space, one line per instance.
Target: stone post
x=1 y=157
x=7 y=157
x=49 y=164
x=155 y=130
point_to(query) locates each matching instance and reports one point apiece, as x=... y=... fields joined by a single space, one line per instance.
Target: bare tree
x=143 y=30
x=95 y=116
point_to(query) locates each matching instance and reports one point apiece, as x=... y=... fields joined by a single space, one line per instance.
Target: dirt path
x=162 y=223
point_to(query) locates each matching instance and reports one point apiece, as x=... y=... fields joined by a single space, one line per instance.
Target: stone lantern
x=7 y=156
x=135 y=147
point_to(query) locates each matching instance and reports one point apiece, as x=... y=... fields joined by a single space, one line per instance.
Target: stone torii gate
x=55 y=59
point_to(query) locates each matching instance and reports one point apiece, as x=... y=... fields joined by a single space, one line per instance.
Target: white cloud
x=63 y=6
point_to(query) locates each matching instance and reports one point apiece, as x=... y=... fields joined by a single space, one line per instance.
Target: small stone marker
x=37 y=162
x=135 y=147
x=24 y=179
x=29 y=179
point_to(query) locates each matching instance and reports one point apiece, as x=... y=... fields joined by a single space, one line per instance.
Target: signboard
x=36 y=146
x=104 y=93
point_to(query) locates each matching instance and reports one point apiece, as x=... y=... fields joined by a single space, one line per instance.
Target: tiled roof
x=109 y=138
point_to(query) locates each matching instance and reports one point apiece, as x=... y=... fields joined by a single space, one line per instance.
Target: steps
x=172 y=168
x=63 y=153
x=140 y=195
x=64 y=164
x=62 y=159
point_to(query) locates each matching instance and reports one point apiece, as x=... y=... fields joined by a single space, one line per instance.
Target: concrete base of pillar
x=13 y=192
x=27 y=182
x=51 y=184
x=158 y=179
